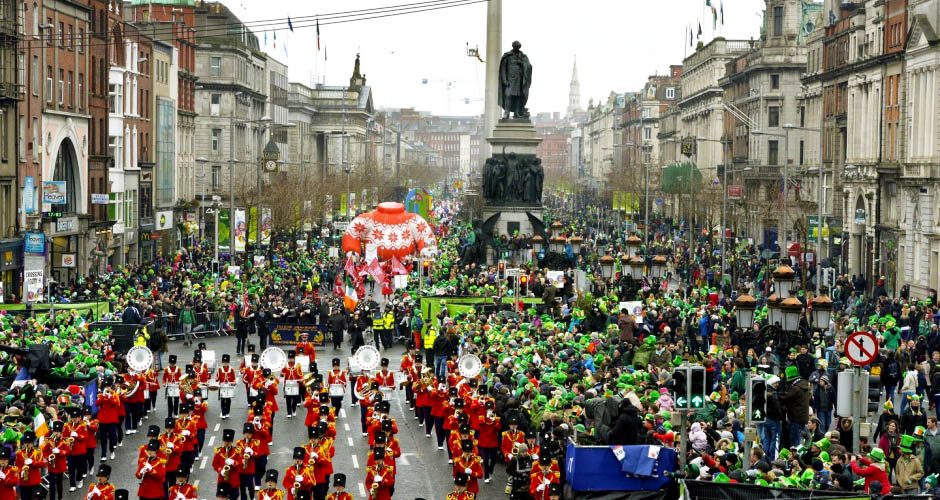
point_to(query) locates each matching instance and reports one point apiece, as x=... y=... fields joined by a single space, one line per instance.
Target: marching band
x=462 y=418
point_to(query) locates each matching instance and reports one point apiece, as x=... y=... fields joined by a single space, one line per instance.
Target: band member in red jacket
x=109 y=408
x=339 y=489
x=511 y=437
x=227 y=463
x=293 y=385
x=225 y=376
x=470 y=464
x=102 y=489
x=542 y=478
x=55 y=451
x=91 y=438
x=181 y=488
x=488 y=437
x=151 y=471
x=336 y=380
x=75 y=432
x=171 y=376
x=9 y=475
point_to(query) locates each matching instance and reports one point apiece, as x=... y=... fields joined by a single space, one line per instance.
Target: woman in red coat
x=109 y=406
x=488 y=437
x=873 y=468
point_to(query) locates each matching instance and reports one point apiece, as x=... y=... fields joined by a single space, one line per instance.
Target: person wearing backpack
x=891 y=375
x=417 y=325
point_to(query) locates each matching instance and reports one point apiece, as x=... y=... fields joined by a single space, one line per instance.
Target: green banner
x=225 y=235
x=431 y=306
x=97 y=309
x=253 y=225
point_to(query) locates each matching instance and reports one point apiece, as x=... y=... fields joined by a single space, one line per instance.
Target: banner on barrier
x=289 y=333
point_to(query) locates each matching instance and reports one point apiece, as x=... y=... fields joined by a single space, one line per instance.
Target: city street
x=423 y=471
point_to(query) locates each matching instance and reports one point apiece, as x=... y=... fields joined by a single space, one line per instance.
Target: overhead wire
x=33 y=41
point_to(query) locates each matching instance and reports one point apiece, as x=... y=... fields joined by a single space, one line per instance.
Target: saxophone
x=245 y=458
x=24 y=473
x=225 y=472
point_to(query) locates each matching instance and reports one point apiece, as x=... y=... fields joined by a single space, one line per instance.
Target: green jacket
x=187 y=317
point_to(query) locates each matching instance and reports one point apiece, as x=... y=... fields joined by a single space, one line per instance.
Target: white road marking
x=342 y=413
x=205 y=460
x=404 y=458
x=216 y=428
x=211 y=441
x=362 y=490
x=355 y=461
x=349 y=440
x=346 y=427
x=196 y=483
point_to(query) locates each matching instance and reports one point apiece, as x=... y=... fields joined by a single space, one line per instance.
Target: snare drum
x=172 y=390
x=291 y=388
x=337 y=390
x=253 y=392
x=204 y=391
x=146 y=393
x=227 y=391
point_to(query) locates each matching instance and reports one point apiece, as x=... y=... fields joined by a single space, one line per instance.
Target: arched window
x=65 y=170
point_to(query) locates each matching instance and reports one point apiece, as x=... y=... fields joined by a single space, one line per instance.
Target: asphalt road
x=423 y=471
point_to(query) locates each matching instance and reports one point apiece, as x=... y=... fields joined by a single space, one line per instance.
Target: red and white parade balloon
x=395 y=232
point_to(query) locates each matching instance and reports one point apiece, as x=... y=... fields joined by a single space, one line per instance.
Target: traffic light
x=523 y=285
x=502 y=270
x=697 y=387
x=757 y=406
x=874 y=393
x=680 y=387
x=426 y=269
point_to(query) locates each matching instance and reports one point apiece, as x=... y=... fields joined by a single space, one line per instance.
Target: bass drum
x=139 y=358
x=273 y=358
x=368 y=357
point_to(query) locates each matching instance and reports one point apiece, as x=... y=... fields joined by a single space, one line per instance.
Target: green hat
x=931 y=480
x=784 y=454
x=676 y=361
x=824 y=456
x=721 y=477
x=907 y=442
x=822 y=444
x=877 y=454
x=919 y=432
x=807 y=476
x=792 y=372
x=735 y=396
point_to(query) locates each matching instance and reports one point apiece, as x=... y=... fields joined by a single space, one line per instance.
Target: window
x=773 y=153
x=773 y=116
x=81 y=40
x=35 y=19
x=22 y=141
x=21 y=74
x=49 y=84
x=51 y=31
x=215 y=104
x=36 y=144
x=35 y=75
x=61 y=34
x=216 y=177
x=115 y=98
x=216 y=139
x=802 y=116
x=61 y=86
x=778 y=20
x=70 y=88
x=116 y=151
x=215 y=66
x=70 y=41
x=81 y=90
x=3 y=140
x=647 y=133
x=775 y=82
x=670 y=93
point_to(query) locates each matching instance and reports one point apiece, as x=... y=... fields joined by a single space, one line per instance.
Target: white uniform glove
x=2 y=476
x=74 y=434
x=55 y=450
x=468 y=471
x=546 y=482
x=28 y=461
x=535 y=457
x=229 y=461
x=377 y=479
x=170 y=445
x=185 y=432
x=540 y=487
x=315 y=455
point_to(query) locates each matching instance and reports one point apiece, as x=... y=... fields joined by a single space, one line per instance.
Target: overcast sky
x=618 y=43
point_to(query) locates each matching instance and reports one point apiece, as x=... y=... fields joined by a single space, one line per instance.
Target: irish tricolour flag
x=39 y=423
x=350 y=297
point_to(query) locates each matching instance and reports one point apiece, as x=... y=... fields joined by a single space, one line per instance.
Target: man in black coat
x=338 y=327
x=627 y=428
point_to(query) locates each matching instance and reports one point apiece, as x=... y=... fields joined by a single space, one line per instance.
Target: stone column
x=494 y=42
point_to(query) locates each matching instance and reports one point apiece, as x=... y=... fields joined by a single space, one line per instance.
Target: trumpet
x=296 y=487
x=70 y=440
x=24 y=473
x=374 y=488
x=245 y=458
x=308 y=379
x=256 y=422
x=225 y=472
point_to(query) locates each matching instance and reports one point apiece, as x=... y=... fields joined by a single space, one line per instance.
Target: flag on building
x=39 y=423
x=714 y=18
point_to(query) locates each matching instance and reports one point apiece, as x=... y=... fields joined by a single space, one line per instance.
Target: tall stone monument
x=513 y=176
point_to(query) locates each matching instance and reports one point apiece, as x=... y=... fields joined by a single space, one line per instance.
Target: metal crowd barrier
x=206 y=324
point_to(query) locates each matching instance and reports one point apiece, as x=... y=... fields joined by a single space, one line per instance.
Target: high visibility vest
x=430 y=336
x=378 y=323
x=389 y=320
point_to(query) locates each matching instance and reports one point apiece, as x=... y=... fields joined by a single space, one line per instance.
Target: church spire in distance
x=574 y=92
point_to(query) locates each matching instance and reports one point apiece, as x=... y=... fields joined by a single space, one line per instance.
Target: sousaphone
x=273 y=358
x=139 y=358
x=469 y=365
